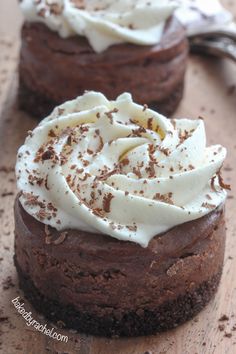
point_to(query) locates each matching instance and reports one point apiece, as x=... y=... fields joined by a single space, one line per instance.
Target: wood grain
x=211 y=93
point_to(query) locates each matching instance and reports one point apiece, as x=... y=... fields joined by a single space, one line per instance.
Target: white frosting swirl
x=199 y=15
x=118 y=168
x=103 y=22
x=109 y=22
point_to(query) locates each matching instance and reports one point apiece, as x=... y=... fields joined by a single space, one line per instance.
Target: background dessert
x=67 y=48
x=111 y=47
x=119 y=218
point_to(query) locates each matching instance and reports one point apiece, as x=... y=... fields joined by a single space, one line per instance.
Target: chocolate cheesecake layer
x=53 y=70
x=99 y=285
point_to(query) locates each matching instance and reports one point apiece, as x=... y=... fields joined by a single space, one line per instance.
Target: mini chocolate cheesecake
x=101 y=286
x=119 y=221
x=53 y=69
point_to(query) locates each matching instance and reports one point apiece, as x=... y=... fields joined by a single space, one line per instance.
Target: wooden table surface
x=211 y=93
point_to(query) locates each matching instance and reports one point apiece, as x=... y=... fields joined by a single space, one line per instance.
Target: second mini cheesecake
x=146 y=56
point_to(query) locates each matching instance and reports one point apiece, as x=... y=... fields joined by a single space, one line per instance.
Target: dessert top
x=108 y=22
x=103 y=22
x=118 y=168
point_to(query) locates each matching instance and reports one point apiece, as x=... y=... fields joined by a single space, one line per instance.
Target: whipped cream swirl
x=199 y=15
x=103 y=22
x=118 y=168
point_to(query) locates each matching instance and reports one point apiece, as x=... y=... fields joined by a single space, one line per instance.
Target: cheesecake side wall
x=98 y=273
x=53 y=69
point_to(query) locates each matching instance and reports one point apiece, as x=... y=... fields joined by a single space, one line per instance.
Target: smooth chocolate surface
x=103 y=279
x=53 y=70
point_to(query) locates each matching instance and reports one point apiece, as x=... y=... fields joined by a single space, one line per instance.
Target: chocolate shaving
x=107 y=202
x=150 y=169
x=6 y=194
x=125 y=162
x=213 y=184
x=69 y=140
x=8 y=169
x=86 y=176
x=8 y=283
x=145 y=107
x=79 y=170
x=183 y=136
x=151 y=151
x=105 y=175
x=34 y=179
x=221 y=182
x=60 y=111
x=165 y=151
x=221 y=327
x=51 y=207
x=47 y=155
x=85 y=162
x=90 y=152
x=52 y=134
x=223 y=318
x=208 y=206
x=166 y=198
x=98 y=212
x=32 y=200
x=137 y=172
x=110 y=114
x=42 y=214
x=131 y=228
x=149 y=123
x=101 y=144
x=138 y=132
x=61 y=238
